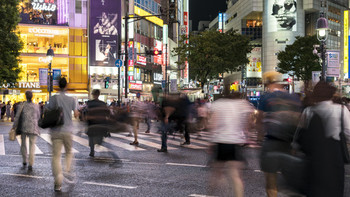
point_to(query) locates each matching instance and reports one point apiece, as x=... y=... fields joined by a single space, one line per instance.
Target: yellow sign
x=346 y=41
x=153 y=19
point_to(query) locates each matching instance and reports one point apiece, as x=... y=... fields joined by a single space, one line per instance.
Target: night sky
x=202 y=10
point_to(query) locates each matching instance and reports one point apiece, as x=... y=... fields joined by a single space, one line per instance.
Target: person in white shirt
x=228 y=125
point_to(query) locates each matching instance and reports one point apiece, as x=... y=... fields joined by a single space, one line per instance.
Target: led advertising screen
x=104 y=32
x=282 y=15
x=44 y=12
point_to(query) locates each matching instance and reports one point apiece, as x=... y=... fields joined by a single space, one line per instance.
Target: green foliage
x=299 y=58
x=211 y=53
x=10 y=43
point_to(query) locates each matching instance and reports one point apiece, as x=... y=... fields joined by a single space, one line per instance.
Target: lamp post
x=50 y=55
x=322 y=35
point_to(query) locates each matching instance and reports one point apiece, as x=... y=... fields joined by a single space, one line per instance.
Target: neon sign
x=46 y=5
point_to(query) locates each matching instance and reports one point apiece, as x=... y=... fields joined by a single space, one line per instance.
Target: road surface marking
x=184 y=164
x=192 y=140
x=143 y=142
x=85 y=142
x=200 y=195
x=2 y=145
x=111 y=185
x=47 y=138
x=37 y=150
x=123 y=145
x=24 y=175
x=174 y=142
x=257 y=171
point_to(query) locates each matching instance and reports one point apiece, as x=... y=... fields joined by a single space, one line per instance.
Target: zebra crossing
x=119 y=141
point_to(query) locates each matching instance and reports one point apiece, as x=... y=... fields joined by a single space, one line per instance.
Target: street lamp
x=49 y=56
x=322 y=35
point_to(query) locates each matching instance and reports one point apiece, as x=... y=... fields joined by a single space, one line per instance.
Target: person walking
x=8 y=110
x=30 y=114
x=136 y=115
x=228 y=125
x=279 y=113
x=319 y=139
x=62 y=135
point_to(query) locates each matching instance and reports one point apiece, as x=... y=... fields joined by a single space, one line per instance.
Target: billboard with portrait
x=104 y=32
x=282 y=15
x=44 y=12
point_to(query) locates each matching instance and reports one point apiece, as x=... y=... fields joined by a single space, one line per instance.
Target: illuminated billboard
x=104 y=32
x=282 y=15
x=44 y=12
x=346 y=44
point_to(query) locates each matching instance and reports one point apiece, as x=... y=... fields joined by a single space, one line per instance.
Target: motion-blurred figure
x=279 y=113
x=319 y=139
x=228 y=125
x=62 y=135
x=8 y=110
x=30 y=114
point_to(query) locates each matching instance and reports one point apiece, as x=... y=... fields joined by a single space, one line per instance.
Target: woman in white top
x=228 y=125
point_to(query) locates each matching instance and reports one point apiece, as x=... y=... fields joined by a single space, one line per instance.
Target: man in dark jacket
x=97 y=114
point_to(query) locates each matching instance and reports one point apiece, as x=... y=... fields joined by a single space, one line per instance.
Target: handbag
x=52 y=117
x=12 y=135
x=343 y=144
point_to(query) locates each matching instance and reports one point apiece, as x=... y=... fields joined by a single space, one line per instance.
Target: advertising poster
x=44 y=12
x=332 y=59
x=254 y=66
x=282 y=15
x=56 y=74
x=43 y=72
x=104 y=32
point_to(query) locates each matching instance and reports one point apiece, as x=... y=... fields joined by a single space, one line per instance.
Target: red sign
x=135 y=86
x=185 y=18
x=141 y=60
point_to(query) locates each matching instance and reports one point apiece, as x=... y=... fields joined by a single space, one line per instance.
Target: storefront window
x=38 y=40
x=30 y=67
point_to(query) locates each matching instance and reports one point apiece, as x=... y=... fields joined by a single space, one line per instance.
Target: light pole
x=322 y=35
x=50 y=54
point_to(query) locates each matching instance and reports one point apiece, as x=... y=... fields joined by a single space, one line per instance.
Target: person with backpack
x=279 y=113
x=61 y=136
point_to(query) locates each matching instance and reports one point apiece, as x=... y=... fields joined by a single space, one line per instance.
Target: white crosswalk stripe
x=2 y=145
x=119 y=140
x=37 y=150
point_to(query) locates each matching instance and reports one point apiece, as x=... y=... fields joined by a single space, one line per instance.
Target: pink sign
x=141 y=60
x=135 y=86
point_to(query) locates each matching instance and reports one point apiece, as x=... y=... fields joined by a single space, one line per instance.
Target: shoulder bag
x=18 y=129
x=52 y=117
x=343 y=144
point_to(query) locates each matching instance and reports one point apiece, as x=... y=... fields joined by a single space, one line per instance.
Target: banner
x=254 y=66
x=43 y=72
x=282 y=15
x=104 y=32
x=56 y=75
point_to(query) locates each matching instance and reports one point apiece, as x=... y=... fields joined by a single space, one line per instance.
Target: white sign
x=45 y=5
x=254 y=66
x=333 y=72
x=29 y=85
x=333 y=59
x=315 y=77
x=157 y=77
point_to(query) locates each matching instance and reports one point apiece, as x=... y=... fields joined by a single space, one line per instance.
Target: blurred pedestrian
x=29 y=115
x=228 y=125
x=3 y=110
x=168 y=107
x=8 y=110
x=279 y=113
x=136 y=114
x=319 y=138
x=62 y=135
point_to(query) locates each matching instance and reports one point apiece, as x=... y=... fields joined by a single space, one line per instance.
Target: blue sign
x=56 y=74
x=118 y=63
x=163 y=84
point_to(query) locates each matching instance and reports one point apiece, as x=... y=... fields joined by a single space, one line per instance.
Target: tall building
x=60 y=24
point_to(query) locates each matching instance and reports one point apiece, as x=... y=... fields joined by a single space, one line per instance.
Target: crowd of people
x=311 y=124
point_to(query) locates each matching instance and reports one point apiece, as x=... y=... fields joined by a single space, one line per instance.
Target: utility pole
x=126 y=47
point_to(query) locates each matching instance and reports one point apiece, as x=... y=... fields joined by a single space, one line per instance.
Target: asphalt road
x=183 y=171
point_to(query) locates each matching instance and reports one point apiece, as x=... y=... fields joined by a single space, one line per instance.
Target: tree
x=10 y=43
x=211 y=53
x=298 y=59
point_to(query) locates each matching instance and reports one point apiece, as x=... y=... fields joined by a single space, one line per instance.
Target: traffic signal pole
x=126 y=45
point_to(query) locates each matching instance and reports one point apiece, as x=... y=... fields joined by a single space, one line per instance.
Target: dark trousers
x=183 y=126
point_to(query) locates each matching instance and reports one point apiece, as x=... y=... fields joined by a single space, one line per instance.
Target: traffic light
x=107 y=82
x=172 y=11
x=154 y=52
x=289 y=80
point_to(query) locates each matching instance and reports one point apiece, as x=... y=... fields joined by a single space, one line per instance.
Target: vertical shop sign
x=346 y=43
x=43 y=76
x=104 y=32
x=56 y=75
